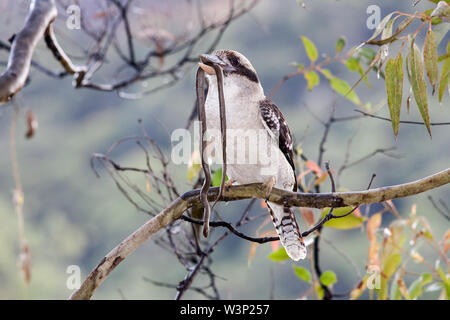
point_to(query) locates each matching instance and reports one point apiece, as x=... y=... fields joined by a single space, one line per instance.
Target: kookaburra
x=266 y=150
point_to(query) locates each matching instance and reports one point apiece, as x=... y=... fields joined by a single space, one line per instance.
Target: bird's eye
x=234 y=61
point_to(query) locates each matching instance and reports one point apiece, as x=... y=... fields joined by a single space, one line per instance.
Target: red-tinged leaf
x=373 y=224
x=275 y=245
x=321 y=178
x=100 y=15
x=304 y=173
x=430 y=58
x=263 y=224
x=147 y=183
x=32 y=125
x=254 y=245
x=263 y=204
x=446 y=241
x=25 y=263
x=403 y=289
x=374 y=259
x=314 y=167
x=252 y=252
x=359 y=289
x=357 y=213
x=307 y=215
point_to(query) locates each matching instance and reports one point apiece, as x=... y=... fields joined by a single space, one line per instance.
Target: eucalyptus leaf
x=310 y=48
x=302 y=273
x=279 y=255
x=312 y=78
x=394 y=89
x=328 y=278
x=443 y=82
x=380 y=27
x=430 y=58
x=340 y=44
x=348 y=222
x=418 y=83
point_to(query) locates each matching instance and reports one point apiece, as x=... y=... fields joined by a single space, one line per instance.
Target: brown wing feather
x=276 y=122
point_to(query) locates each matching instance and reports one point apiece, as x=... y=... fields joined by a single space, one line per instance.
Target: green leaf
x=418 y=83
x=394 y=89
x=430 y=58
x=389 y=267
x=380 y=27
x=441 y=31
x=434 y=20
x=443 y=82
x=313 y=79
x=279 y=255
x=328 y=278
x=194 y=166
x=340 y=44
x=302 y=273
x=368 y=53
x=310 y=48
x=349 y=222
x=320 y=292
x=341 y=87
x=217 y=178
x=442 y=11
x=387 y=36
x=395 y=293
x=415 y=290
x=445 y=281
x=354 y=64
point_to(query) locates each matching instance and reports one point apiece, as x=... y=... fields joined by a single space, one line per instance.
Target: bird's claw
x=229 y=183
x=268 y=185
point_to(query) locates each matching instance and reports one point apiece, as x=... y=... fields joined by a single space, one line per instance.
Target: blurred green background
x=74 y=218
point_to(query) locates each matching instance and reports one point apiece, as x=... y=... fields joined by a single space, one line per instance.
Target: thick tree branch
x=316 y=200
x=42 y=13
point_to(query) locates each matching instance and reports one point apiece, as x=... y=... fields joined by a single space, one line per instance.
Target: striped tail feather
x=287 y=228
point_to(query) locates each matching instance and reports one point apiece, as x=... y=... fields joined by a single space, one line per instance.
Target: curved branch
x=315 y=200
x=42 y=13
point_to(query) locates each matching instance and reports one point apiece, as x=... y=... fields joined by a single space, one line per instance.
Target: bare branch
x=175 y=210
x=402 y=121
x=42 y=13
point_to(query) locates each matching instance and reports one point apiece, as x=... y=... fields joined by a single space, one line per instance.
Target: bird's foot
x=229 y=183
x=268 y=185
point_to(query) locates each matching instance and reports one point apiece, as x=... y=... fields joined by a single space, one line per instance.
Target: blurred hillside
x=74 y=218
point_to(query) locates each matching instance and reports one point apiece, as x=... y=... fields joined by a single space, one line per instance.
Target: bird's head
x=239 y=74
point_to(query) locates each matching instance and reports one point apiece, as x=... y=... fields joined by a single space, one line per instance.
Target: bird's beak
x=208 y=60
